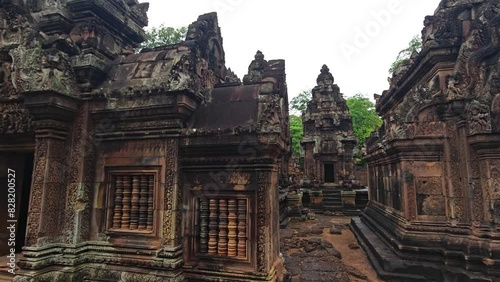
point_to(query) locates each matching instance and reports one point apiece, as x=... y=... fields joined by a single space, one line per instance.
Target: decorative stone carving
x=479 y=120
x=223 y=221
x=232 y=247
x=242 y=228
x=15 y=119
x=270 y=119
x=255 y=69
x=16 y=28
x=495 y=112
x=203 y=226
x=6 y=86
x=494 y=180
x=325 y=78
x=452 y=91
x=43 y=70
x=212 y=227
x=180 y=77
x=93 y=178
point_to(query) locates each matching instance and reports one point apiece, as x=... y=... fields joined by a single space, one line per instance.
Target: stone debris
x=309 y=256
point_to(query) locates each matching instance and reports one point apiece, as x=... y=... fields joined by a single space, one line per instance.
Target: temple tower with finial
x=328 y=140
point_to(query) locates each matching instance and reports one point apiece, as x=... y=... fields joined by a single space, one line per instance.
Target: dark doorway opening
x=329 y=173
x=22 y=164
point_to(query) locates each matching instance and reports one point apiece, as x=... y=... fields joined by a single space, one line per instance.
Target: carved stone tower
x=328 y=140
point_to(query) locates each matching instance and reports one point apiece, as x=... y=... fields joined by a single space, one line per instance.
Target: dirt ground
x=312 y=253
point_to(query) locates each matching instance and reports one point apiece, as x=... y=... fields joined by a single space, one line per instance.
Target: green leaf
x=296 y=132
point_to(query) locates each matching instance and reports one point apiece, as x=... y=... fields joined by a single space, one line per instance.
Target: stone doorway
x=22 y=164
x=329 y=172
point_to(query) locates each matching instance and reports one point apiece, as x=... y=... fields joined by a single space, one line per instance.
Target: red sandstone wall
x=361 y=174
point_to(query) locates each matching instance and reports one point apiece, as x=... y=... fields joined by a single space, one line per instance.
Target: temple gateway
x=163 y=165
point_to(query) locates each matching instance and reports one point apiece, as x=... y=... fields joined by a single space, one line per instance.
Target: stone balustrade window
x=131 y=202
x=223 y=227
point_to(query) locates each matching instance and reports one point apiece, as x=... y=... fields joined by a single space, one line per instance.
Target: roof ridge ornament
x=325 y=77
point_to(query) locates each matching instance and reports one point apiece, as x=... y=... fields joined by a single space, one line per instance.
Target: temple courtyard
x=130 y=163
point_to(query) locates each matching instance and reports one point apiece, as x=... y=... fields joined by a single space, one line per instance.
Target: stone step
x=6 y=277
x=329 y=197
x=333 y=204
x=334 y=201
x=332 y=208
x=332 y=192
x=338 y=201
x=332 y=195
x=386 y=263
x=351 y=212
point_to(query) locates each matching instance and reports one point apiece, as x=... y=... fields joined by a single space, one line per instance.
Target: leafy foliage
x=364 y=117
x=164 y=35
x=299 y=102
x=415 y=45
x=296 y=132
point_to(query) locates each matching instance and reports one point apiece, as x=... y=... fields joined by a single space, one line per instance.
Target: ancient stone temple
x=434 y=166
x=328 y=141
x=151 y=166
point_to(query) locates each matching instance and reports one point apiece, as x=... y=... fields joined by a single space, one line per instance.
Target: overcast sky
x=358 y=40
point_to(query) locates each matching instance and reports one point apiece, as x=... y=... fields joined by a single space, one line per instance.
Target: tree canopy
x=364 y=117
x=163 y=35
x=296 y=132
x=299 y=102
x=415 y=45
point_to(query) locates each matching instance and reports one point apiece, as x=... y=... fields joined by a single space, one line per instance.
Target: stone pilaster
x=52 y=114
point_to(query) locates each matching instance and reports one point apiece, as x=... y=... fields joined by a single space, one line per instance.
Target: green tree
x=296 y=132
x=163 y=35
x=364 y=117
x=299 y=102
x=415 y=45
